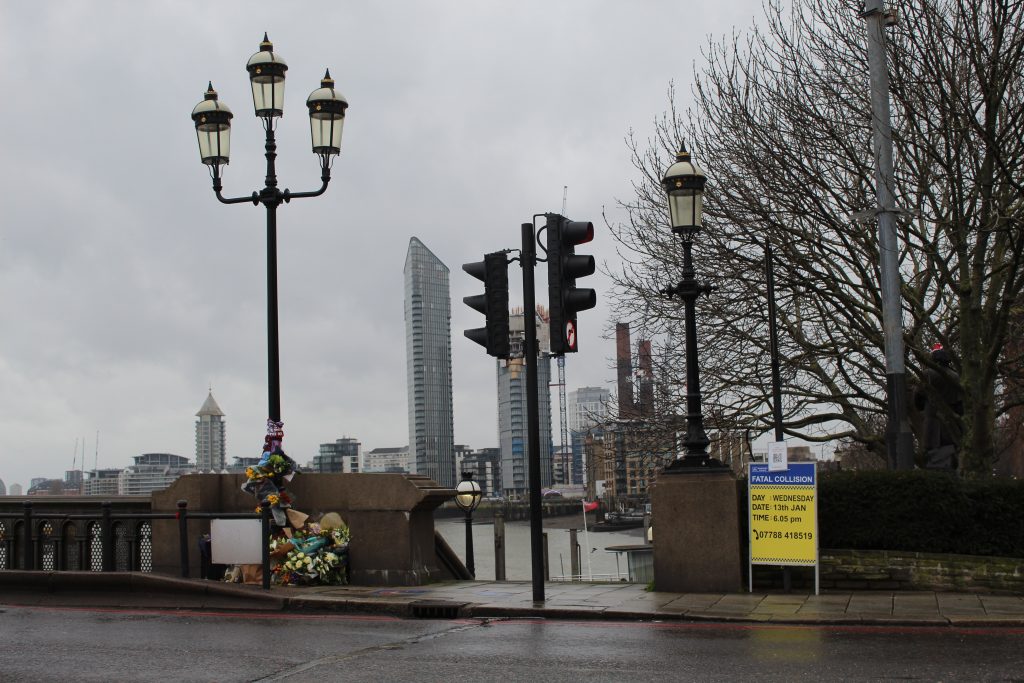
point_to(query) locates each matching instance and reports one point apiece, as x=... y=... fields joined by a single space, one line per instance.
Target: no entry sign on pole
x=784 y=516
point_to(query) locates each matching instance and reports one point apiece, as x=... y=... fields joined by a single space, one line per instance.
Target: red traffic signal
x=564 y=266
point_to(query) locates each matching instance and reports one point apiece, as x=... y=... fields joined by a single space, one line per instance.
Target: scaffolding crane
x=561 y=380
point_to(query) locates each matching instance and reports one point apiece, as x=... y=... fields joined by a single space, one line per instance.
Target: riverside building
x=428 y=344
x=211 y=453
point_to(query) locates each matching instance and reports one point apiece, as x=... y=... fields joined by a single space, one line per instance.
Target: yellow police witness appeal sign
x=783 y=515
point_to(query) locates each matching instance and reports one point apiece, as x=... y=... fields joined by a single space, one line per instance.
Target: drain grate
x=435 y=609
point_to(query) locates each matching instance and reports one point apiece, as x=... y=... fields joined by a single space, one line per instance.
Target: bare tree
x=781 y=125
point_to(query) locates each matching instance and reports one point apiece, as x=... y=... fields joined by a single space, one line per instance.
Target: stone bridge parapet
x=391 y=517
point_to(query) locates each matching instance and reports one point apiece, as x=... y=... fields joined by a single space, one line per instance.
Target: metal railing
x=104 y=542
x=620 y=577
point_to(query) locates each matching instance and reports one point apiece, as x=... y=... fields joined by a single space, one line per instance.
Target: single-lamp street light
x=467 y=497
x=684 y=184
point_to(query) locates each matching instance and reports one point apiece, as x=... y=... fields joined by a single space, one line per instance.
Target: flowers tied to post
x=266 y=481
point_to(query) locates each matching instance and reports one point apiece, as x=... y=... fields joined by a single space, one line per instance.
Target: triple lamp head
x=266 y=76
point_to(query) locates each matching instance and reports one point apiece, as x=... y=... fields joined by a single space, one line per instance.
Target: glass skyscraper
x=428 y=347
x=513 y=436
x=588 y=408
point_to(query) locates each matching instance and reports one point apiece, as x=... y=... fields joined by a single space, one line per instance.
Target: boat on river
x=620 y=521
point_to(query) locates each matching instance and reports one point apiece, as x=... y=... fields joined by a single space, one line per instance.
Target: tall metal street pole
x=528 y=261
x=898 y=435
x=773 y=339
x=271 y=199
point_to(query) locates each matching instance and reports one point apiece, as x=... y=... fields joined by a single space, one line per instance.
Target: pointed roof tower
x=210 y=407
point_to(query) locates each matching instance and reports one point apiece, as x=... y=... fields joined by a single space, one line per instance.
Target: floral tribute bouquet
x=266 y=481
x=314 y=555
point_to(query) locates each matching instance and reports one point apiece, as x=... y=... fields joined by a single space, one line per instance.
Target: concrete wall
x=390 y=517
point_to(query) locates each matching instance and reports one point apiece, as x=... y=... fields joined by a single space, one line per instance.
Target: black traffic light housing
x=493 y=303
x=564 y=265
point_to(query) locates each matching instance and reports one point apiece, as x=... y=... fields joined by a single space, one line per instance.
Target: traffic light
x=493 y=303
x=564 y=266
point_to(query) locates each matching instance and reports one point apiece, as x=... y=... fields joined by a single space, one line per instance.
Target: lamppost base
x=696 y=531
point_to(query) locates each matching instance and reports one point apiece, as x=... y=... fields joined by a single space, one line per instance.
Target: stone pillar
x=696 y=532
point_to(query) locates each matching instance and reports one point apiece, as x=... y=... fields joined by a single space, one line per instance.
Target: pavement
x=483 y=599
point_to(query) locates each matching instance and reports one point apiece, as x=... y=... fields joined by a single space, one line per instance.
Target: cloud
x=126 y=289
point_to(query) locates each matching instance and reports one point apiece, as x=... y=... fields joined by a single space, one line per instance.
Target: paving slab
x=737 y=604
x=1002 y=604
x=694 y=600
x=565 y=600
x=827 y=600
x=777 y=610
x=781 y=604
x=784 y=599
x=870 y=603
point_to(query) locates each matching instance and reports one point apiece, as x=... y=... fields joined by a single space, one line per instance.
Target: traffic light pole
x=528 y=261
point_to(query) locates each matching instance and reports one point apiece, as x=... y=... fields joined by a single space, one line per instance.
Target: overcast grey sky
x=126 y=289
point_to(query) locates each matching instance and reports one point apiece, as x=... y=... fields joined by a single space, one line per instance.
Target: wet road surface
x=68 y=644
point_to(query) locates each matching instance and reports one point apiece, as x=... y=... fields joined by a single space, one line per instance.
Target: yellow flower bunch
x=256 y=473
x=273 y=499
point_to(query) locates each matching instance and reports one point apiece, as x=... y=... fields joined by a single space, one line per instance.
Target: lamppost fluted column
x=688 y=289
x=470 y=562
x=273 y=345
x=270 y=197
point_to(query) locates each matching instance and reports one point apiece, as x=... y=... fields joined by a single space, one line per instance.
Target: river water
x=603 y=564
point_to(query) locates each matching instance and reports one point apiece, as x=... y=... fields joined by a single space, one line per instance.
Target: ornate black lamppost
x=213 y=128
x=467 y=498
x=684 y=184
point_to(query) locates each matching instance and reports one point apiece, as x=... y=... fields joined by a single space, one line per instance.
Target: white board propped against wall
x=235 y=541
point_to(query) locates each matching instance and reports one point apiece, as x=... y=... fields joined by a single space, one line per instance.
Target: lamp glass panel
x=468 y=494
x=326 y=134
x=214 y=143
x=268 y=95
x=685 y=207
